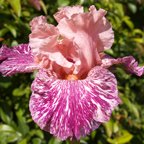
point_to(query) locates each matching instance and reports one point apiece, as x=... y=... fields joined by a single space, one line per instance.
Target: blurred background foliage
x=127 y=122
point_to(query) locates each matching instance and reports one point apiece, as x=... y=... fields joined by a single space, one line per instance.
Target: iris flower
x=73 y=92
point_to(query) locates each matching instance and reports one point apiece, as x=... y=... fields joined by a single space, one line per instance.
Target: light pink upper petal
x=73 y=108
x=16 y=60
x=38 y=21
x=103 y=28
x=129 y=62
x=45 y=40
x=91 y=32
x=41 y=29
x=68 y=12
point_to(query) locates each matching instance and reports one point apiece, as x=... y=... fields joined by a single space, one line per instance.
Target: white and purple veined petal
x=16 y=60
x=129 y=62
x=73 y=108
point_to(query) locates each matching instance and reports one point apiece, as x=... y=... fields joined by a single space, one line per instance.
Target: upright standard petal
x=68 y=12
x=73 y=108
x=45 y=42
x=129 y=63
x=37 y=21
x=16 y=60
x=91 y=32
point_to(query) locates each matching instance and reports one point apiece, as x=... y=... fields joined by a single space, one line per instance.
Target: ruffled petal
x=16 y=60
x=91 y=32
x=129 y=63
x=45 y=40
x=38 y=21
x=73 y=108
x=103 y=28
x=68 y=12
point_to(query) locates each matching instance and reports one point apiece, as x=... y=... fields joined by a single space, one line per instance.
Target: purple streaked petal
x=129 y=62
x=16 y=60
x=73 y=108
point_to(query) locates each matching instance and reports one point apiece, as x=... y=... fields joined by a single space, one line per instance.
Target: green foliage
x=127 y=122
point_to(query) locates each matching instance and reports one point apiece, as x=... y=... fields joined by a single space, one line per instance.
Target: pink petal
x=45 y=41
x=37 y=21
x=103 y=28
x=16 y=60
x=129 y=62
x=73 y=108
x=68 y=12
x=91 y=32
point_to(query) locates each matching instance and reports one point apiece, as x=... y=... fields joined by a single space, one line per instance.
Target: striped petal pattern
x=129 y=62
x=16 y=60
x=73 y=108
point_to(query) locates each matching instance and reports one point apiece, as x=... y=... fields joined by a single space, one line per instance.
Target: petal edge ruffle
x=129 y=63
x=72 y=109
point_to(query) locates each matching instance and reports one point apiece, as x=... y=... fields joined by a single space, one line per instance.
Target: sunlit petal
x=91 y=32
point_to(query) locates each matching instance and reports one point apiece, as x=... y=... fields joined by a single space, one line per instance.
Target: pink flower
x=73 y=92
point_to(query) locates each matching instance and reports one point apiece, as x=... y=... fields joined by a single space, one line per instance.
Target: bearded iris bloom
x=73 y=91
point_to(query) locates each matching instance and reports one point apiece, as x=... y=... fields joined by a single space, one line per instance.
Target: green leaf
x=13 y=137
x=110 y=52
x=22 y=90
x=63 y=2
x=3 y=32
x=54 y=141
x=128 y=22
x=16 y=5
x=119 y=9
x=4 y=127
x=5 y=113
x=93 y=134
x=132 y=7
x=36 y=141
x=138 y=31
x=123 y=139
x=109 y=128
x=5 y=117
x=12 y=29
x=26 y=13
x=115 y=127
x=5 y=84
x=8 y=133
x=18 y=92
x=36 y=132
x=23 y=141
x=132 y=108
x=30 y=136
x=43 y=7
x=14 y=43
x=139 y=40
x=22 y=125
x=1 y=2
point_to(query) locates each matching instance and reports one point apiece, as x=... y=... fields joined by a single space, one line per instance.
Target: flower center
x=71 y=77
